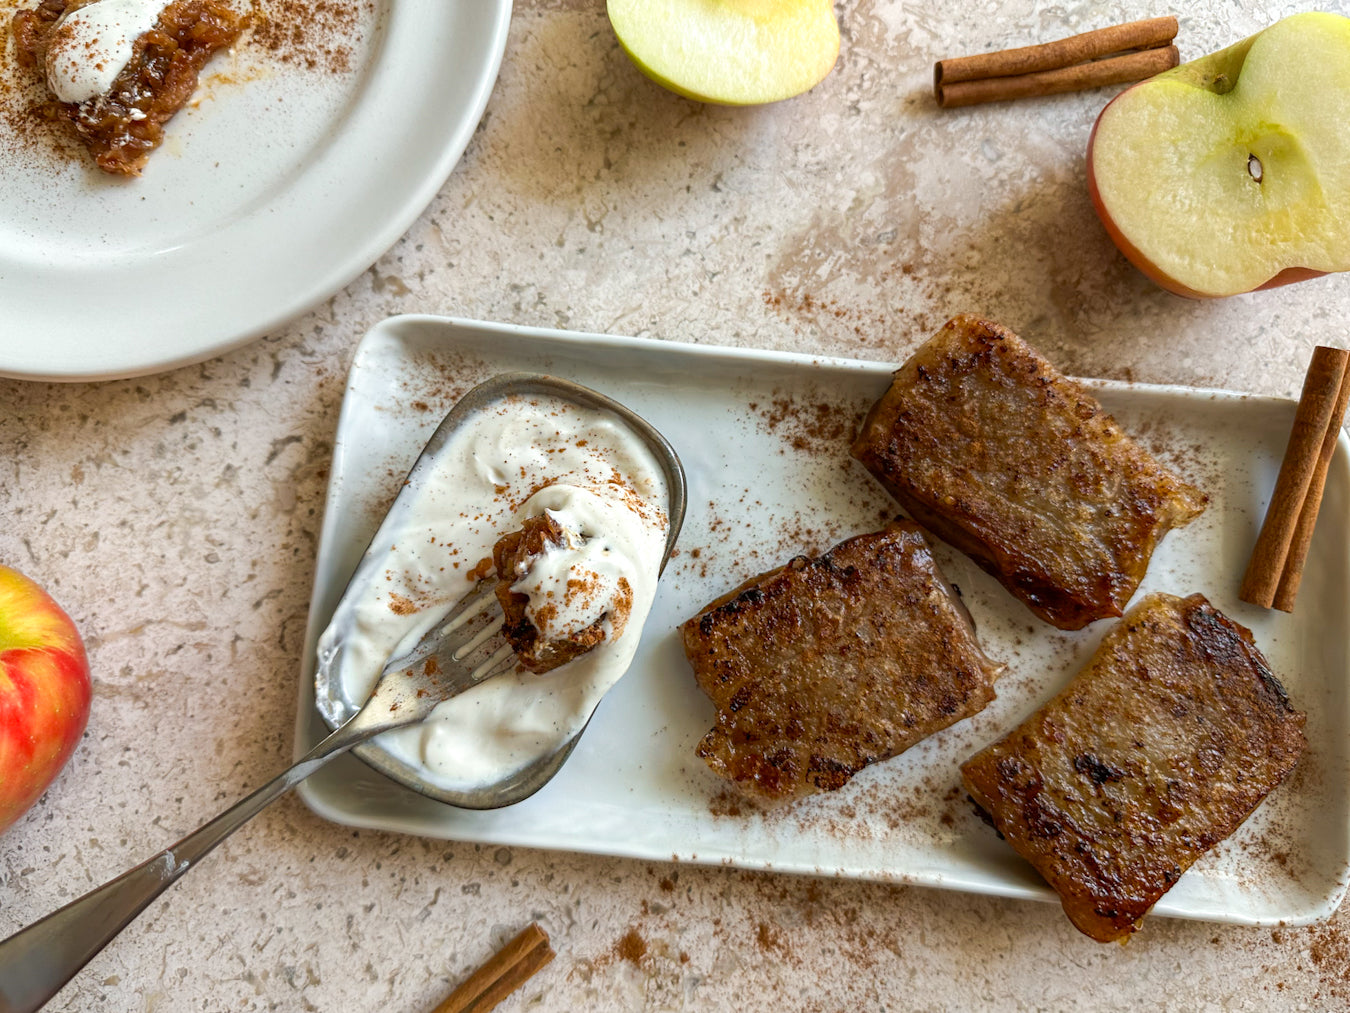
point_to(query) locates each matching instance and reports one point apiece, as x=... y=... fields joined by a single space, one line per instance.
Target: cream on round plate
x=93 y=43
x=516 y=459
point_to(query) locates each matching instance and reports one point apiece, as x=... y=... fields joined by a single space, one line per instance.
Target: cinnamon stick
x=1086 y=51
x=513 y=965
x=1081 y=77
x=1317 y=422
x=1148 y=34
x=1312 y=502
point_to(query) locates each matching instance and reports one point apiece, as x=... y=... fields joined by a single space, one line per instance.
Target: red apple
x=1232 y=173
x=44 y=692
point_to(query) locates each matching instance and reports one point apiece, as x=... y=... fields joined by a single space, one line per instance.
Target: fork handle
x=37 y=961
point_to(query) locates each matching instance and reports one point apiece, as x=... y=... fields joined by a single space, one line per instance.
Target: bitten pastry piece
x=826 y=665
x=160 y=47
x=1159 y=749
x=991 y=449
x=542 y=650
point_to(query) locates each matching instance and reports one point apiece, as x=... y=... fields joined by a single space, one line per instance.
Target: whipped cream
x=92 y=44
x=514 y=460
x=582 y=581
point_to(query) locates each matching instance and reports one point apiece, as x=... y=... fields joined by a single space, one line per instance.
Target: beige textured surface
x=176 y=518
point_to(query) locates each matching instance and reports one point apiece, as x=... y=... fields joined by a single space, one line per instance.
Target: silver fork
x=457 y=654
x=462 y=650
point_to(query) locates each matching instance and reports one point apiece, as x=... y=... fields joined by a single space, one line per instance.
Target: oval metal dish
x=329 y=700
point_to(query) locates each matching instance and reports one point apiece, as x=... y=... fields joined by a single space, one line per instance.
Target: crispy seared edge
x=777 y=777
x=1024 y=574
x=1104 y=893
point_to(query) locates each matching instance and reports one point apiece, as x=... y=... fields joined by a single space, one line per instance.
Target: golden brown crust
x=825 y=665
x=121 y=127
x=985 y=444
x=1159 y=749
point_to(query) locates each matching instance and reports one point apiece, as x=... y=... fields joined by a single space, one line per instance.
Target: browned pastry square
x=986 y=445
x=826 y=665
x=514 y=555
x=123 y=125
x=1159 y=749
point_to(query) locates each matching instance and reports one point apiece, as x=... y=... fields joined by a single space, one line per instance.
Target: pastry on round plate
x=118 y=70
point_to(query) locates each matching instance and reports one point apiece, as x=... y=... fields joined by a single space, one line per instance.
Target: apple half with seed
x=1232 y=172
x=731 y=52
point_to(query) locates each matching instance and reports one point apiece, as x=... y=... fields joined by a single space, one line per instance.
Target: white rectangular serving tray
x=764 y=437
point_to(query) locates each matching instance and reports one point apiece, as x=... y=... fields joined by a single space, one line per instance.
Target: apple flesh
x=1232 y=172
x=44 y=692
x=731 y=52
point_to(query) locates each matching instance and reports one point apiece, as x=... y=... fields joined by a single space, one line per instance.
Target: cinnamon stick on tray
x=1084 y=61
x=1276 y=566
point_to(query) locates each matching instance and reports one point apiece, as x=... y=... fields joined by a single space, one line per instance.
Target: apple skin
x=1207 y=72
x=44 y=692
x=1289 y=276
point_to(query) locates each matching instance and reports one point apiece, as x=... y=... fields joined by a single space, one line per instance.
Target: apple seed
x=1254 y=167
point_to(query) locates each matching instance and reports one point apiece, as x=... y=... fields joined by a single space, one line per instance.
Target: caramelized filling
x=124 y=124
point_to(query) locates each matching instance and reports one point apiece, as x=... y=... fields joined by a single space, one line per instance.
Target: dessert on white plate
x=118 y=70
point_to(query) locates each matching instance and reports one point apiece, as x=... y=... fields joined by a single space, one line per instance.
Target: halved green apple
x=1232 y=172
x=732 y=52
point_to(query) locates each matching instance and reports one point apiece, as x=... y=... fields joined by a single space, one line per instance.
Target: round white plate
x=278 y=188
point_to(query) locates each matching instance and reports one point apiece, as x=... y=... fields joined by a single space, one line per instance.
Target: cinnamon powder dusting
x=1329 y=948
x=313 y=34
x=401 y=606
x=27 y=125
x=631 y=947
x=726 y=803
x=818 y=428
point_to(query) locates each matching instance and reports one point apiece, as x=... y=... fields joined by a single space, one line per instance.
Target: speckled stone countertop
x=176 y=517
